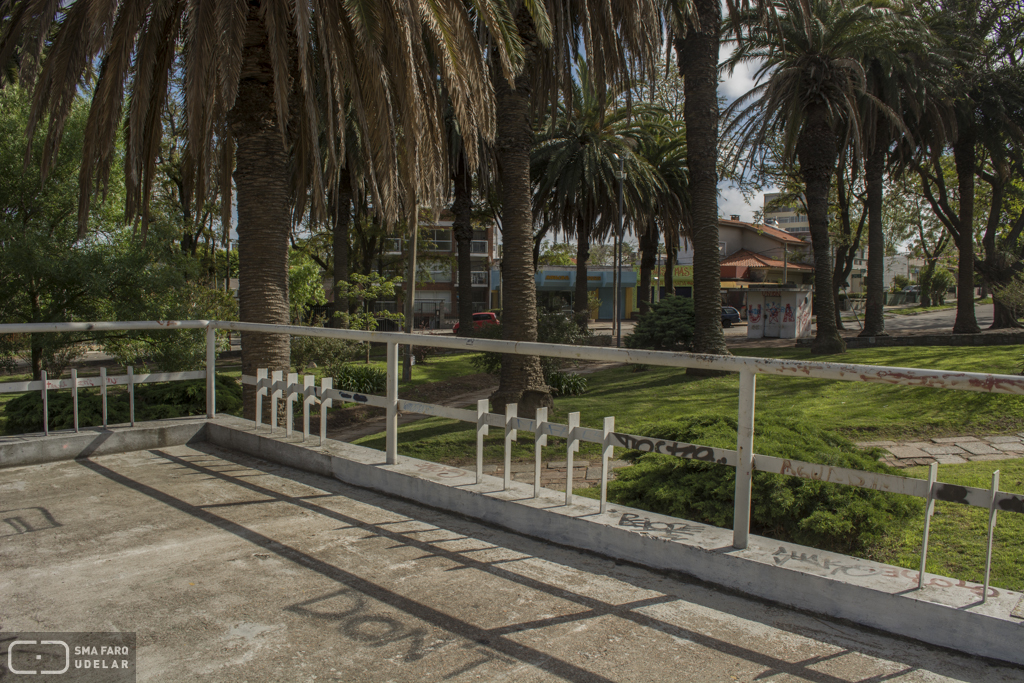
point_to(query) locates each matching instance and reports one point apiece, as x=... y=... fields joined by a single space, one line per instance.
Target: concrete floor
x=230 y=568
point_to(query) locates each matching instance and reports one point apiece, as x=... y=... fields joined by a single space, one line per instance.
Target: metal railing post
x=74 y=396
x=482 y=429
x=308 y=396
x=131 y=396
x=326 y=384
x=572 y=447
x=933 y=475
x=540 y=439
x=46 y=406
x=391 y=442
x=289 y=403
x=211 y=372
x=103 y=395
x=511 y=413
x=607 y=451
x=275 y=395
x=261 y=391
x=991 y=532
x=744 y=460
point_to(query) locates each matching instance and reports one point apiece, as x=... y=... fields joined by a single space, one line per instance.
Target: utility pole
x=617 y=279
x=410 y=288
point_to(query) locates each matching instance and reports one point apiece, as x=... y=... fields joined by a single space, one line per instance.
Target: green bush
x=553 y=327
x=566 y=384
x=668 y=326
x=152 y=402
x=323 y=351
x=822 y=515
x=359 y=378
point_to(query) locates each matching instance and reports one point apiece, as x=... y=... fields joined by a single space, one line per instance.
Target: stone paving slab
x=943 y=450
x=977 y=448
x=953 y=450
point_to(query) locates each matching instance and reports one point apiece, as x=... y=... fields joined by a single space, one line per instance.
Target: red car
x=480 y=321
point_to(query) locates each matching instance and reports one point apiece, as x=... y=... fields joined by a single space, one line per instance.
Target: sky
x=730 y=200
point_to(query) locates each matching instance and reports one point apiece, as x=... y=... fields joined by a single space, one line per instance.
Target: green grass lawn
x=958 y=537
x=859 y=410
x=925 y=309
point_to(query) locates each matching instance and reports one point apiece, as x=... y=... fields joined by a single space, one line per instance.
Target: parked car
x=912 y=289
x=730 y=316
x=480 y=321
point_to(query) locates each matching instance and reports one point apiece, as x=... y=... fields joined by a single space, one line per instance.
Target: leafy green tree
x=305 y=286
x=267 y=89
x=809 y=80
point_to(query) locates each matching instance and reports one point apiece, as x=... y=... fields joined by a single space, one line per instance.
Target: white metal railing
x=277 y=387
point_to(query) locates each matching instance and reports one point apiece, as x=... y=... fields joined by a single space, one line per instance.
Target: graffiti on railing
x=679 y=450
x=672 y=530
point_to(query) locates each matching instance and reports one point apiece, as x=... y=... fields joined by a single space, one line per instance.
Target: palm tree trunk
x=816 y=150
x=697 y=56
x=261 y=179
x=837 y=283
x=580 y=304
x=964 y=157
x=648 y=257
x=340 y=244
x=521 y=380
x=462 y=228
x=874 y=165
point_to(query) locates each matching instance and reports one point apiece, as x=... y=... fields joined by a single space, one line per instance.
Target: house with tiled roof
x=757 y=253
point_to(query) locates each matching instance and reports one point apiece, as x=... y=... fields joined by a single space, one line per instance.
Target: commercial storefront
x=556 y=287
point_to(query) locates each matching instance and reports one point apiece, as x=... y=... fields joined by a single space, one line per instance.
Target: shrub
x=359 y=378
x=815 y=513
x=899 y=282
x=668 y=326
x=553 y=327
x=323 y=351
x=566 y=384
x=152 y=402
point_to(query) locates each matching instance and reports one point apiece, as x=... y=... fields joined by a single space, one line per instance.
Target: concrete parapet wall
x=28 y=449
x=946 y=612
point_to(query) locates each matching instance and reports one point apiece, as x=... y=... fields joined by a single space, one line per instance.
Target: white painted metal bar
x=991 y=532
x=842 y=475
x=276 y=388
x=461 y=414
x=540 y=439
x=103 y=395
x=31 y=328
x=74 y=396
x=308 y=396
x=325 y=386
x=848 y=372
x=261 y=391
x=131 y=395
x=606 y=455
x=482 y=430
x=211 y=371
x=744 y=460
x=511 y=410
x=929 y=509
x=112 y=380
x=289 y=403
x=391 y=421
x=46 y=405
x=362 y=399
x=572 y=447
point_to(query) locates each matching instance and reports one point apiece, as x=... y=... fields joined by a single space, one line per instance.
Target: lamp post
x=616 y=320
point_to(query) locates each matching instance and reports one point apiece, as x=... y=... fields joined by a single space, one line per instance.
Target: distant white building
x=901 y=264
x=785 y=217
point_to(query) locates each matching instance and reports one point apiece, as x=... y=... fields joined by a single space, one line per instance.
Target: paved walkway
x=233 y=569
x=954 y=450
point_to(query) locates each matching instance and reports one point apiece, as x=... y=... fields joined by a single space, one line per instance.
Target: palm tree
x=809 y=81
x=896 y=78
x=276 y=78
x=614 y=37
x=574 y=165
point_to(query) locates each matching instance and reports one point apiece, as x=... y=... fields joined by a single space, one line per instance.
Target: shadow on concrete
x=360 y=625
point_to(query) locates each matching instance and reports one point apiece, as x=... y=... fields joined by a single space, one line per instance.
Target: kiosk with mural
x=777 y=311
